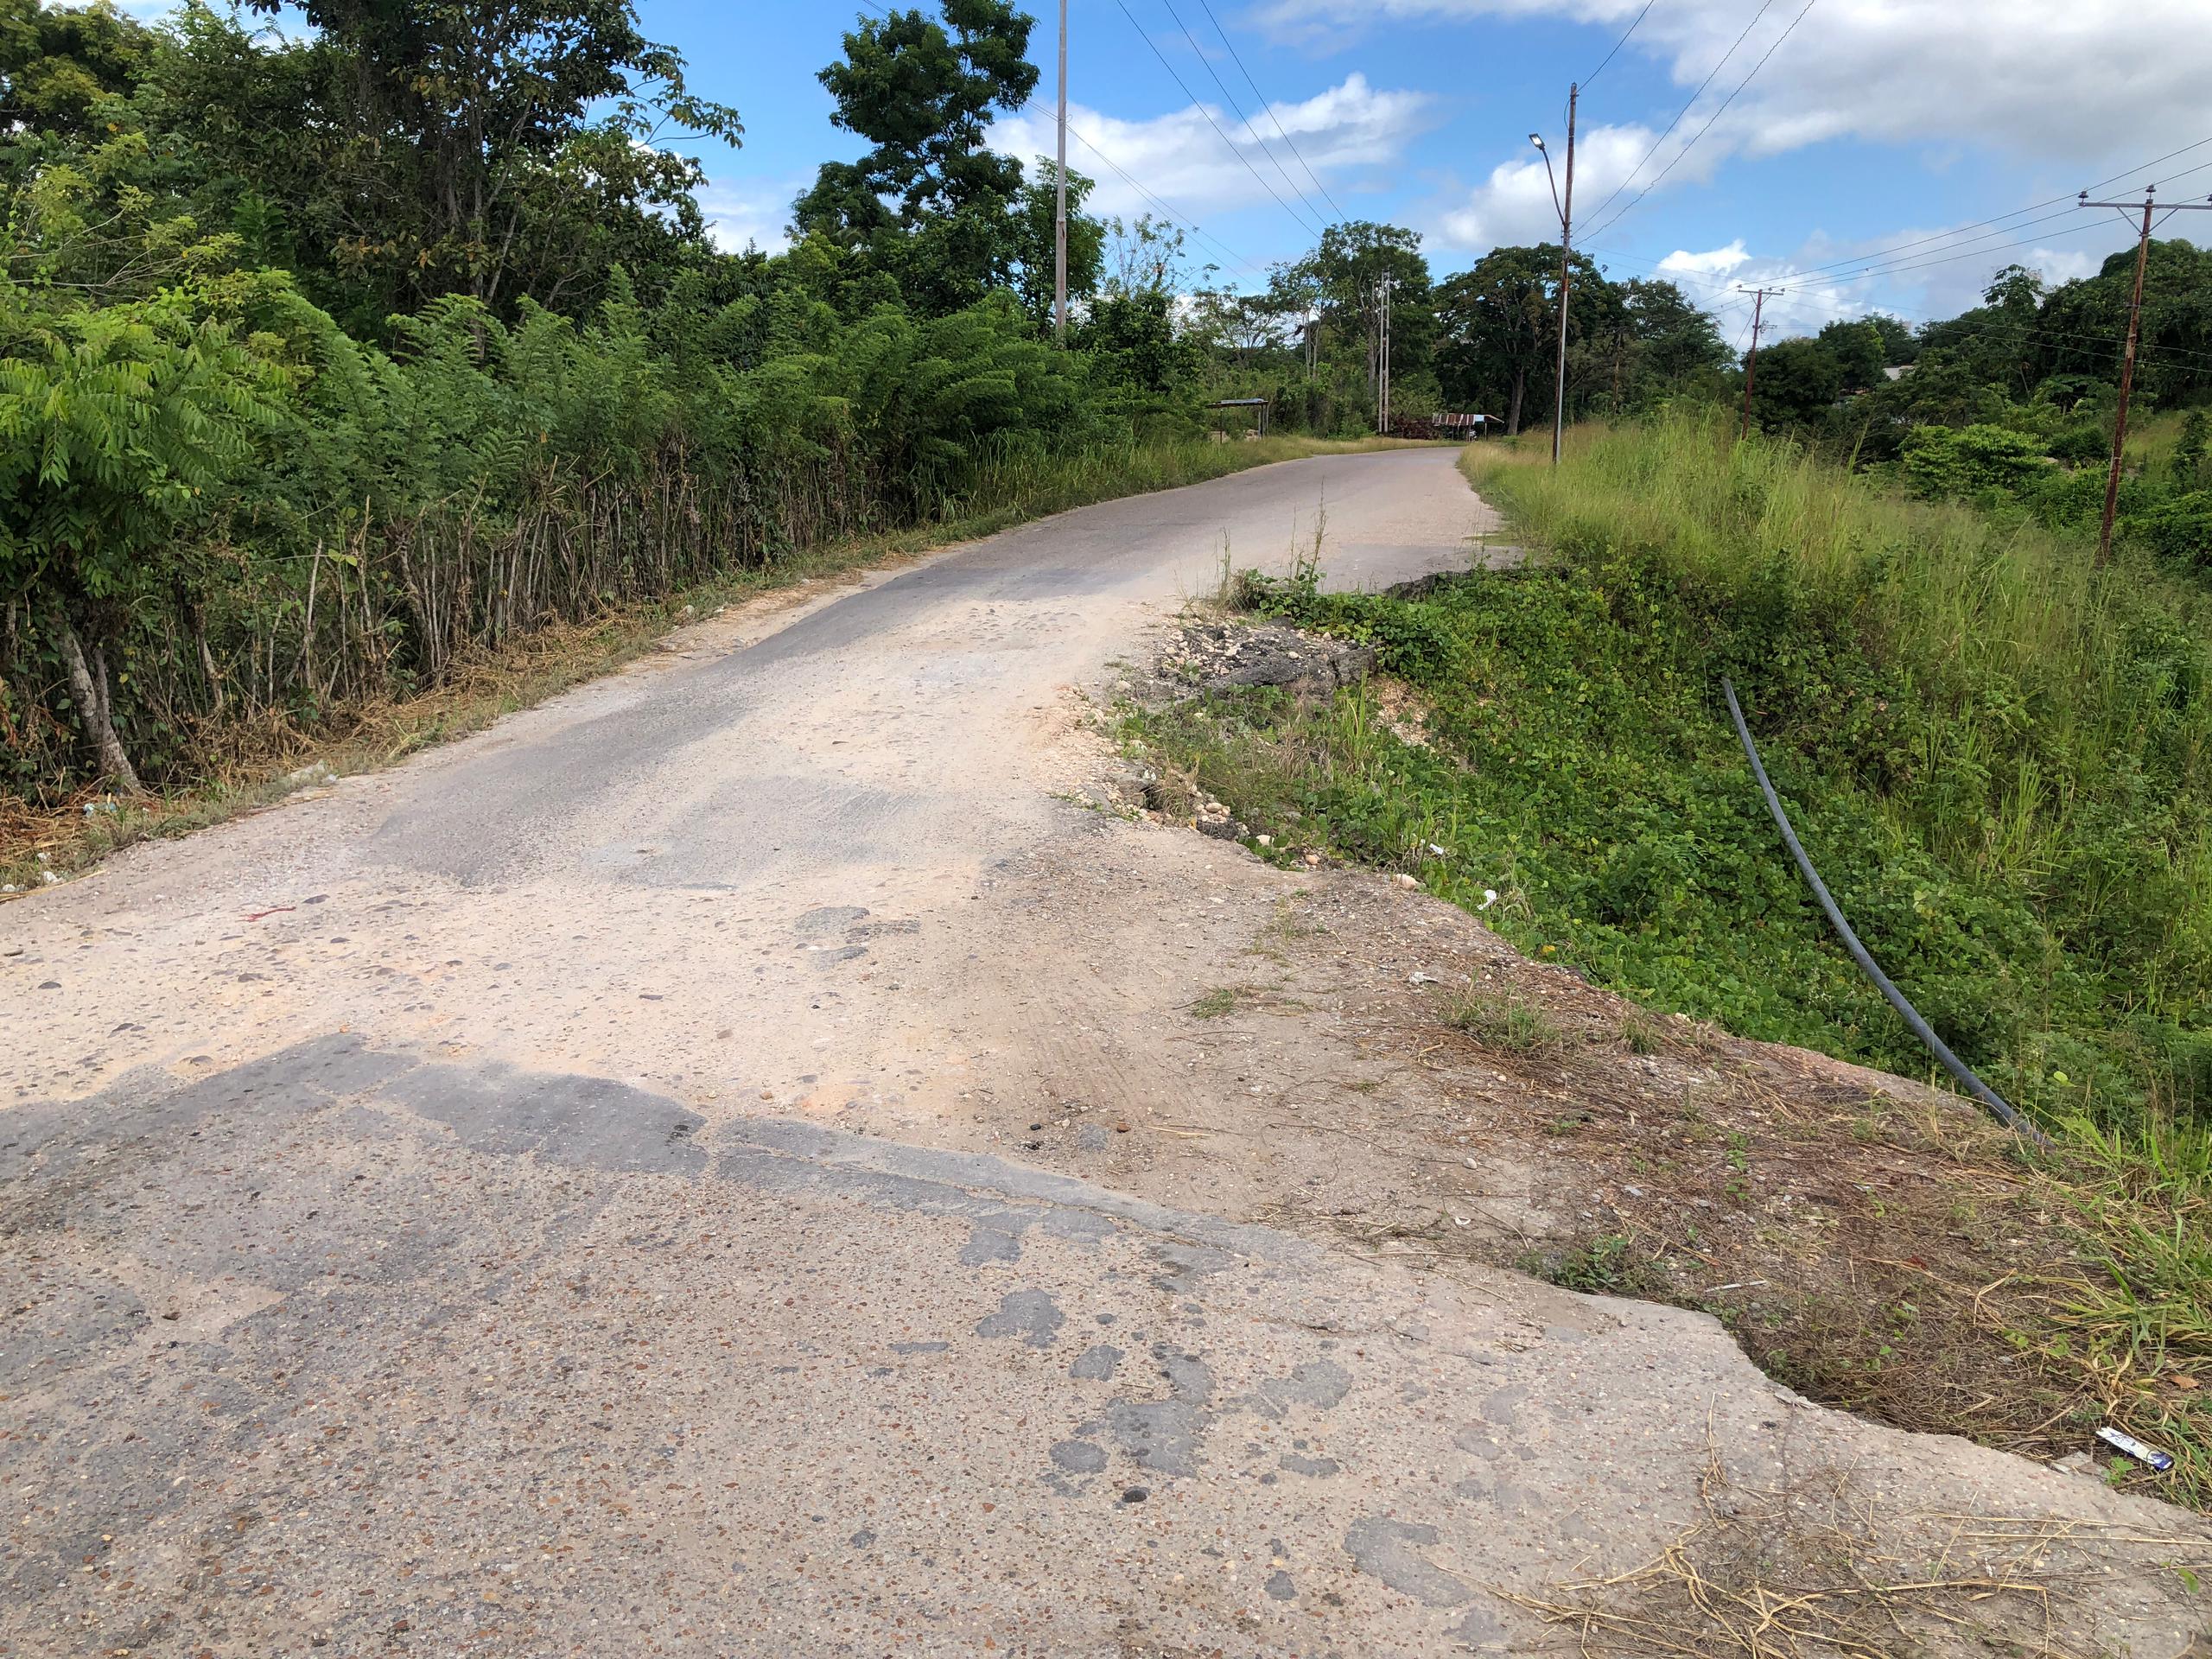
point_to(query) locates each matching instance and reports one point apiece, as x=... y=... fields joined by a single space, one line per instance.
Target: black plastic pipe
x=1957 y=1067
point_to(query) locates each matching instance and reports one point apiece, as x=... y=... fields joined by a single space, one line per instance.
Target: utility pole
x=1061 y=200
x=1759 y=298
x=1565 y=276
x=1566 y=211
x=1383 y=355
x=2127 y=353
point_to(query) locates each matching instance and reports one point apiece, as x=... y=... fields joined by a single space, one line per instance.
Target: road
x=711 y=1165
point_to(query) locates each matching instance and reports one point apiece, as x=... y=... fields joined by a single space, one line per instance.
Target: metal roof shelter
x=1260 y=408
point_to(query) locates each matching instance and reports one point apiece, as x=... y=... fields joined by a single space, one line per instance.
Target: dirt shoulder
x=1872 y=1242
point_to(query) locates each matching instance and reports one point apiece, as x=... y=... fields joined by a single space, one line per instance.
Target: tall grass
x=1965 y=604
x=2055 y=719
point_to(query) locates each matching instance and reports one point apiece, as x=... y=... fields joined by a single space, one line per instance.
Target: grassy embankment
x=244 y=768
x=1998 y=759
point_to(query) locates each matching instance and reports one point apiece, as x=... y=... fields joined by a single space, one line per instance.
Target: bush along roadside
x=1993 y=758
x=228 y=751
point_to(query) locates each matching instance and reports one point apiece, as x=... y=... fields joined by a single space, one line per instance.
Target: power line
x=1896 y=268
x=1824 y=311
x=1710 y=119
x=1945 y=236
x=1765 y=6
x=1276 y=161
x=1621 y=42
x=2168 y=156
x=1167 y=211
x=1210 y=121
x=2059 y=339
x=1342 y=216
x=1950 y=238
x=1170 y=213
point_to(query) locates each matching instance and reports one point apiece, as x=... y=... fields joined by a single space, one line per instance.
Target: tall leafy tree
x=1342 y=279
x=1796 y=382
x=57 y=63
x=1676 y=344
x=408 y=148
x=1500 y=325
x=928 y=201
x=1035 y=208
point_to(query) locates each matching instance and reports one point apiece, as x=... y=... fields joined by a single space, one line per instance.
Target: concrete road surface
x=581 y=1192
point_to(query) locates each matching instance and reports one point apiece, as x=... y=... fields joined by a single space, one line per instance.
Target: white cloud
x=2064 y=265
x=1514 y=203
x=2093 y=83
x=1184 y=162
x=752 y=213
x=1817 y=287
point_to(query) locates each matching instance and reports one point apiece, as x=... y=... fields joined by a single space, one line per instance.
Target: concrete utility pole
x=1566 y=275
x=1760 y=297
x=2127 y=354
x=1383 y=355
x=1060 y=198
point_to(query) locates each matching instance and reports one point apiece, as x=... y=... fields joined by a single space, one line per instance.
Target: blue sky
x=1869 y=124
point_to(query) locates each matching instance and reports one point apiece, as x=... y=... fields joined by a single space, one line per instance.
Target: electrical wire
x=1709 y=120
x=1210 y=121
x=1765 y=6
x=1305 y=166
x=1167 y=211
x=1231 y=98
x=1621 y=42
x=1807 y=306
x=1958 y=1068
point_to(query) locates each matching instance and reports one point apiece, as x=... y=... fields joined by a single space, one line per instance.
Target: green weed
x=1507 y=1022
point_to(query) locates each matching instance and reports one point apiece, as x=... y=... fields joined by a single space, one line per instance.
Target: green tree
x=1795 y=384
x=1860 y=352
x=501 y=148
x=1501 y=326
x=928 y=202
x=1677 y=343
x=1036 y=207
x=59 y=62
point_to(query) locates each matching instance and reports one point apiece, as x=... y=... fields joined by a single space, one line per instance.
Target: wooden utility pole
x=2128 y=353
x=1751 y=364
x=1060 y=198
x=1565 y=276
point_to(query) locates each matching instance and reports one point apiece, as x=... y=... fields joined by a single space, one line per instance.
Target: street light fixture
x=1566 y=211
x=1537 y=139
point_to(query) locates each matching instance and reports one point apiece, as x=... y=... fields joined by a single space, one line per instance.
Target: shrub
x=1942 y=461
x=2178 y=528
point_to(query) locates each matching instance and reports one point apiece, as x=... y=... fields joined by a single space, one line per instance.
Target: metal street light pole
x=1566 y=211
